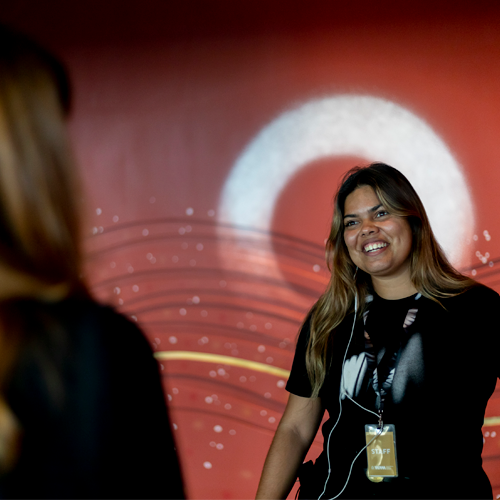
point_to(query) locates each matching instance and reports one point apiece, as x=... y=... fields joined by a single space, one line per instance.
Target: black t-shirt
x=87 y=392
x=445 y=372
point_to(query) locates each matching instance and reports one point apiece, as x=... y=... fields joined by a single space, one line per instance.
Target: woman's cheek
x=352 y=253
x=350 y=241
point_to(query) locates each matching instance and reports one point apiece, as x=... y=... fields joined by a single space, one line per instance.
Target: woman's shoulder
x=478 y=295
x=478 y=301
x=90 y=323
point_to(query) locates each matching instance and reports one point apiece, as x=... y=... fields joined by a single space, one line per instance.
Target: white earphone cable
x=340 y=410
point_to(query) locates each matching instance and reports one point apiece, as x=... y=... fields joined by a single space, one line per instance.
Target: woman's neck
x=393 y=288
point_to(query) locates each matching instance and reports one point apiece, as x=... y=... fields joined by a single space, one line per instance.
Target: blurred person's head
x=39 y=232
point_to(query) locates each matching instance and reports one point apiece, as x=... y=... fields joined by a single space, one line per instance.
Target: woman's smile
x=378 y=242
x=373 y=247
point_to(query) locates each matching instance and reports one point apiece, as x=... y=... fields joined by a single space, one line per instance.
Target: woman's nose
x=367 y=227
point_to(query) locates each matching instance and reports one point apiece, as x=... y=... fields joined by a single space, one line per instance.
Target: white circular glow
x=363 y=126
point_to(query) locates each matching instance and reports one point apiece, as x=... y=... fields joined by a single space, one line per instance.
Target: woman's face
x=378 y=242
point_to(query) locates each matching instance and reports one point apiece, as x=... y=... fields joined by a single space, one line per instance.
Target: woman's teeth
x=371 y=247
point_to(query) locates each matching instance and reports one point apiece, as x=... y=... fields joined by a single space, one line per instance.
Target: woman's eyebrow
x=369 y=210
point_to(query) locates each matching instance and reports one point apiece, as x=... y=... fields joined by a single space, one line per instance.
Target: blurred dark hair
x=40 y=256
x=39 y=226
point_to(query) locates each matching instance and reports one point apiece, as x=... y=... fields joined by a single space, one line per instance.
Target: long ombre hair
x=39 y=229
x=431 y=273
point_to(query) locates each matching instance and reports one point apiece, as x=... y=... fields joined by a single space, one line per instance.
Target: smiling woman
x=378 y=350
x=379 y=243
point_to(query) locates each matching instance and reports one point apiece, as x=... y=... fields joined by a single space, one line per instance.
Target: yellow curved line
x=490 y=421
x=251 y=365
x=225 y=360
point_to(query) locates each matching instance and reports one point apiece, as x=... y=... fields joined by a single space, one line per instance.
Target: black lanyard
x=383 y=372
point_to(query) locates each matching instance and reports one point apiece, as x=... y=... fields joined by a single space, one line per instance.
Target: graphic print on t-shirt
x=362 y=364
x=353 y=375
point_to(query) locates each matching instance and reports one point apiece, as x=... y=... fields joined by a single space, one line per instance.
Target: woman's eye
x=349 y=223
x=381 y=213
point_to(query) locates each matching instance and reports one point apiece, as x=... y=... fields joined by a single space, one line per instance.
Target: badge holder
x=381 y=452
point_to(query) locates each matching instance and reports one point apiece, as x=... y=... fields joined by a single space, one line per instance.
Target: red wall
x=167 y=99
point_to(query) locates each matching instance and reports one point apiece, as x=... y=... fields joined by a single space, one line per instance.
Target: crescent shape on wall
x=358 y=125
